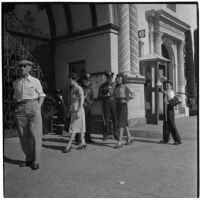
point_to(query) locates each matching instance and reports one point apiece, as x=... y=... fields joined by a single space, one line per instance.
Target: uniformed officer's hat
x=86 y=77
x=168 y=82
x=73 y=76
x=25 y=62
x=58 y=91
x=109 y=74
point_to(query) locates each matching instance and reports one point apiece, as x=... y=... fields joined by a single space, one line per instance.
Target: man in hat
x=109 y=104
x=29 y=96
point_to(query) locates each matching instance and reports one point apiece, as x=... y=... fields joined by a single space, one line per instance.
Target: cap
x=25 y=62
x=58 y=91
x=73 y=76
x=109 y=74
x=86 y=77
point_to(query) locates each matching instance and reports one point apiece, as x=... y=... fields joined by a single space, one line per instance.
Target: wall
x=95 y=50
x=190 y=18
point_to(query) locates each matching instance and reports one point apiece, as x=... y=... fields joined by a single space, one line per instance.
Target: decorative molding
x=13 y=23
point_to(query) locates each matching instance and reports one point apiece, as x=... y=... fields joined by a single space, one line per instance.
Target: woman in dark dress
x=122 y=94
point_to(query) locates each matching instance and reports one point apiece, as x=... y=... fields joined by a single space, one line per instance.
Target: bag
x=175 y=101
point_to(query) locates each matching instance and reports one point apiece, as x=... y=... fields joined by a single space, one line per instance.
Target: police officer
x=29 y=96
x=89 y=99
x=109 y=104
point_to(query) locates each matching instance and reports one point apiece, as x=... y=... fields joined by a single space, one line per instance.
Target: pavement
x=145 y=168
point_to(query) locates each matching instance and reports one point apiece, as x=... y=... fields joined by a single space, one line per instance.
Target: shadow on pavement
x=61 y=140
x=12 y=161
x=58 y=148
x=102 y=144
x=147 y=141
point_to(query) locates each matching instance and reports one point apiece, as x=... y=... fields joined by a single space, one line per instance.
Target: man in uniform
x=29 y=98
x=109 y=104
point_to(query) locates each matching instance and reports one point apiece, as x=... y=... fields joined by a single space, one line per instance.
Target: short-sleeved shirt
x=168 y=96
x=106 y=90
x=27 y=88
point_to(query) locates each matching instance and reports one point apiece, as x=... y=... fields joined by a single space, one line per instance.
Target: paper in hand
x=161 y=80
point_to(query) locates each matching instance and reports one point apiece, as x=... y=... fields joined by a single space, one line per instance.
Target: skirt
x=122 y=114
x=77 y=123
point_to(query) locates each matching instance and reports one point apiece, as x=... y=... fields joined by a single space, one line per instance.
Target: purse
x=175 y=101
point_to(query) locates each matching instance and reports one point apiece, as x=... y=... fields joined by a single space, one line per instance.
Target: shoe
x=82 y=147
x=118 y=146
x=35 y=166
x=129 y=141
x=177 y=143
x=163 y=142
x=26 y=164
x=66 y=150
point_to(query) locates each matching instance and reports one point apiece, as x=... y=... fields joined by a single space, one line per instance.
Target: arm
x=81 y=96
x=40 y=92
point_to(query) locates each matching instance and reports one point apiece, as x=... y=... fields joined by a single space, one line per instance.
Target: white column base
x=184 y=110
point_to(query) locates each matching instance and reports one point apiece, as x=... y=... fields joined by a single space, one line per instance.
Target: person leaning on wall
x=169 y=125
x=29 y=98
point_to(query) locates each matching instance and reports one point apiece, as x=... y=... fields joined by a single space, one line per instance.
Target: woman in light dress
x=77 y=124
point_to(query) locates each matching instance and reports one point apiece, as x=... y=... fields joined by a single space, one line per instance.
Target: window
x=172 y=7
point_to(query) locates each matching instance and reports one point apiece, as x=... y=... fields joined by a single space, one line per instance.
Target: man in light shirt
x=29 y=98
x=169 y=125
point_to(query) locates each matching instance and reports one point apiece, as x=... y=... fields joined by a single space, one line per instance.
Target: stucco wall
x=95 y=50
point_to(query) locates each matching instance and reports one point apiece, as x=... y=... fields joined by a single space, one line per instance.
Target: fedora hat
x=25 y=62
x=73 y=76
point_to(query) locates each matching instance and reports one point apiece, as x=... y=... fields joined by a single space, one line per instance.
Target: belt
x=26 y=101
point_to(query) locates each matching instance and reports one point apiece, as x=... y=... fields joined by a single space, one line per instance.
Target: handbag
x=175 y=101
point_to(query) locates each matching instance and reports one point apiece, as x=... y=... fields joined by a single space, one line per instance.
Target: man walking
x=29 y=96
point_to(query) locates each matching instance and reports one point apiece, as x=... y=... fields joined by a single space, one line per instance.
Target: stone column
x=124 y=39
x=157 y=42
x=134 y=52
x=181 y=78
x=151 y=35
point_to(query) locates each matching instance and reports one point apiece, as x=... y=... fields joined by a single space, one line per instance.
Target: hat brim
x=25 y=62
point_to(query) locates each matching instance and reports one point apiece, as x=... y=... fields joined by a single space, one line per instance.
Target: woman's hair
x=122 y=76
x=73 y=76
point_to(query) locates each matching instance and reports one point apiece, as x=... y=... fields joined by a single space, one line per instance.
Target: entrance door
x=78 y=68
x=162 y=71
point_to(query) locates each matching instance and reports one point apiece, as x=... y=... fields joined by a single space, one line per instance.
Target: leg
x=23 y=133
x=172 y=127
x=88 y=120
x=70 y=141
x=106 y=113
x=166 y=132
x=35 y=128
x=119 y=142
x=114 y=117
x=129 y=137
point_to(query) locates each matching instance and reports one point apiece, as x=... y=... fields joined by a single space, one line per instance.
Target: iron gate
x=19 y=42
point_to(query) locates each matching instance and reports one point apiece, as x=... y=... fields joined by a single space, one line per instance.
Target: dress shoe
x=177 y=143
x=66 y=150
x=82 y=147
x=129 y=141
x=35 y=166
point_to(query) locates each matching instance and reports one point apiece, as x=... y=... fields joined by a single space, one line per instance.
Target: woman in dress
x=122 y=94
x=77 y=123
x=169 y=118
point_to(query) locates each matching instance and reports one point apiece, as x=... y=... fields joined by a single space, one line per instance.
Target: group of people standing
x=29 y=97
x=114 y=98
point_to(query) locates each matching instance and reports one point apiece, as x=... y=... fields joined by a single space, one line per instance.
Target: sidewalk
x=187 y=127
x=143 y=169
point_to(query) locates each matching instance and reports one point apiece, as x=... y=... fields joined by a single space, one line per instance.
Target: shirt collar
x=28 y=78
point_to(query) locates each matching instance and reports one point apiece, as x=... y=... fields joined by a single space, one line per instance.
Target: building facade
x=101 y=37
